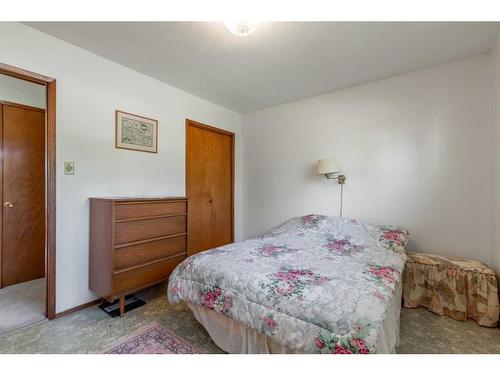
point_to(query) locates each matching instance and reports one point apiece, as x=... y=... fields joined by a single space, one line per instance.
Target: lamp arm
x=340 y=178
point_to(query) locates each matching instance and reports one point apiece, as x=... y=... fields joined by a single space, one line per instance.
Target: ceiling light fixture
x=241 y=28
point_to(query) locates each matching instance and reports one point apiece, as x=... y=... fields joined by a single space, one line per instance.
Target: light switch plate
x=69 y=167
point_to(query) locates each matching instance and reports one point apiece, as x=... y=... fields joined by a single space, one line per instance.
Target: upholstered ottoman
x=455 y=287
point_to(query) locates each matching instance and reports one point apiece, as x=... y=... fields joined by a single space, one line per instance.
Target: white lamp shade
x=327 y=166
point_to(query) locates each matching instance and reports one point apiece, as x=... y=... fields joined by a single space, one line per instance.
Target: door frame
x=213 y=129
x=50 y=177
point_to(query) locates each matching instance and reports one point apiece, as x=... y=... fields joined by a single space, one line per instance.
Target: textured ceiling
x=282 y=61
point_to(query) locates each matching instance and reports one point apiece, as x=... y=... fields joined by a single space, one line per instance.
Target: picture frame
x=137 y=133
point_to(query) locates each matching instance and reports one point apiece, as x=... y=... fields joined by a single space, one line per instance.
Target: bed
x=316 y=284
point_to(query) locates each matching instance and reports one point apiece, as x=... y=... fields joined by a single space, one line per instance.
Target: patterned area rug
x=154 y=339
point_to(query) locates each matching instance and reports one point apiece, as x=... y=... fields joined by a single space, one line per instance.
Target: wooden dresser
x=134 y=243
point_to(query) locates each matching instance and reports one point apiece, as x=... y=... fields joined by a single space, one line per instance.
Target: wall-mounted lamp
x=331 y=170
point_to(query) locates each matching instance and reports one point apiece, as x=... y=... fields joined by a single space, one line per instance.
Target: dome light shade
x=241 y=28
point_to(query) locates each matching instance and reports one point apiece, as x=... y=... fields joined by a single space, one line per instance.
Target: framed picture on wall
x=136 y=133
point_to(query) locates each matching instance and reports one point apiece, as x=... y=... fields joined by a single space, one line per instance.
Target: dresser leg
x=122 y=306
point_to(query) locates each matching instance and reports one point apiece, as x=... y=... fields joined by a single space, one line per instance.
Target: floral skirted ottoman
x=455 y=287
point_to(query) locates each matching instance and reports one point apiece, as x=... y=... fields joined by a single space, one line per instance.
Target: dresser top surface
x=140 y=199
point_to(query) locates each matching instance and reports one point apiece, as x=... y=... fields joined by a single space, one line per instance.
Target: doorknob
x=8 y=204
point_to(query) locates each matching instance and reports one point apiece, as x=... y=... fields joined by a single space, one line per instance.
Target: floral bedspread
x=317 y=284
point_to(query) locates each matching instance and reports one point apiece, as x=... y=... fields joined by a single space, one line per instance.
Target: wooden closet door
x=209 y=186
x=23 y=185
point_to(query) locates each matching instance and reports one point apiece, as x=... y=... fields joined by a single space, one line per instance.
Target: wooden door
x=23 y=190
x=209 y=186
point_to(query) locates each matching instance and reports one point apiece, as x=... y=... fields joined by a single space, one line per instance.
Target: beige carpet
x=423 y=332
x=93 y=331
x=22 y=305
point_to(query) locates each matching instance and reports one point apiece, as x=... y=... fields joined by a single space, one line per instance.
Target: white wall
x=416 y=150
x=21 y=92
x=89 y=90
x=495 y=55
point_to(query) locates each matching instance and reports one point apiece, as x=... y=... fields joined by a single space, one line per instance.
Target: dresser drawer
x=127 y=211
x=138 y=278
x=130 y=231
x=146 y=252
